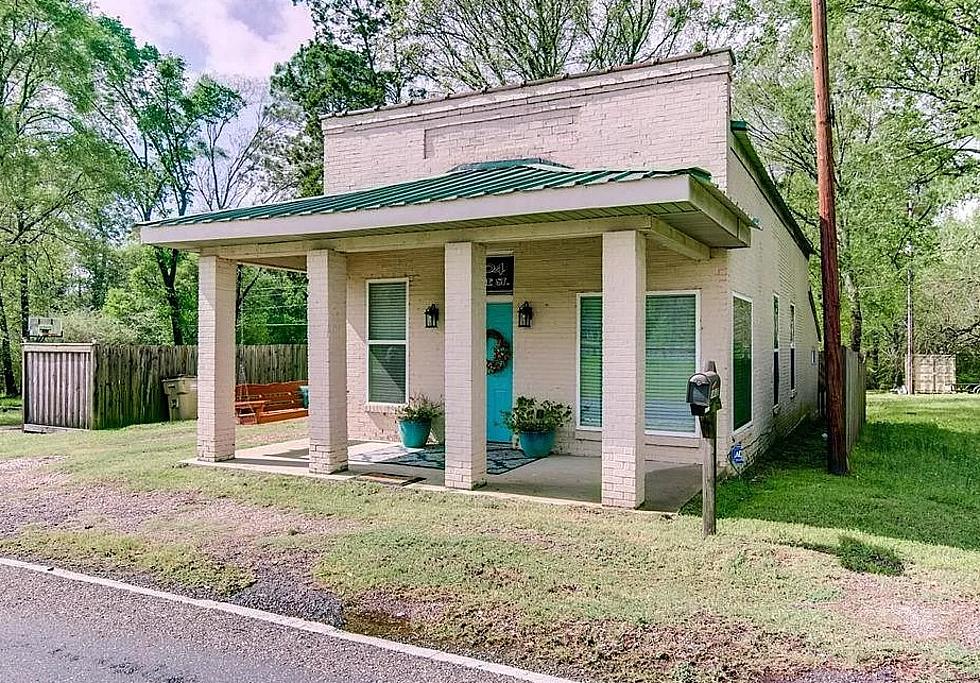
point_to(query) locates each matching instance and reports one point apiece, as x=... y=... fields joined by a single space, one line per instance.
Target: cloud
x=227 y=37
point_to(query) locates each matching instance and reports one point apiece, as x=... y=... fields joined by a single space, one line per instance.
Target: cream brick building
x=625 y=207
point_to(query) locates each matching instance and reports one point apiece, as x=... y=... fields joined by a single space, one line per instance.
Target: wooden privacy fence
x=91 y=386
x=933 y=374
x=855 y=394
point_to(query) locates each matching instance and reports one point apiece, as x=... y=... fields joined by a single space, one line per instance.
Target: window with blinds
x=792 y=347
x=387 y=307
x=741 y=362
x=775 y=350
x=671 y=358
x=590 y=361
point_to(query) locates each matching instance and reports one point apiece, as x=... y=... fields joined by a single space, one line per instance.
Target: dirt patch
x=270 y=541
x=898 y=607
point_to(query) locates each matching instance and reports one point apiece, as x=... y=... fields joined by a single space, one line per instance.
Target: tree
x=51 y=162
x=149 y=107
x=480 y=44
x=888 y=152
x=320 y=79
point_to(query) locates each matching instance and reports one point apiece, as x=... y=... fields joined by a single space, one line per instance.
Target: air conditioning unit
x=44 y=328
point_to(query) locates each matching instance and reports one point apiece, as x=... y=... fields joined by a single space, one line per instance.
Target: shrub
x=420 y=409
x=528 y=416
x=867 y=558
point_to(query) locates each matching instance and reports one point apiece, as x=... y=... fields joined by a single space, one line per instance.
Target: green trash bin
x=181 y=393
x=304 y=391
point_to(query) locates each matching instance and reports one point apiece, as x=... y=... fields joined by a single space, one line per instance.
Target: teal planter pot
x=414 y=434
x=537 y=444
x=304 y=392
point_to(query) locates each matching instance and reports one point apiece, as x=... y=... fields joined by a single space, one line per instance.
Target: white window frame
x=578 y=361
x=696 y=431
x=731 y=350
x=777 y=384
x=578 y=356
x=792 y=350
x=368 y=341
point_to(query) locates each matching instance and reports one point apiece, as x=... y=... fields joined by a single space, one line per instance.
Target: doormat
x=388 y=479
x=501 y=458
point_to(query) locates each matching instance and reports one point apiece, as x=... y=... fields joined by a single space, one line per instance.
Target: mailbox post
x=704 y=397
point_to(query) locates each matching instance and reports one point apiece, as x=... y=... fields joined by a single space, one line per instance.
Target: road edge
x=292 y=622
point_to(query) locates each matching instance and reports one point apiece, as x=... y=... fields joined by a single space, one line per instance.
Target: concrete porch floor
x=556 y=478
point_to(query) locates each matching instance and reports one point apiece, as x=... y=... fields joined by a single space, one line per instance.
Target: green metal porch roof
x=464 y=182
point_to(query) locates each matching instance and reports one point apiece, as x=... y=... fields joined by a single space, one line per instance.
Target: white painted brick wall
x=663 y=116
x=623 y=367
x=327 y=320
x=466 y=386
x=216 y=359
x=774 y=265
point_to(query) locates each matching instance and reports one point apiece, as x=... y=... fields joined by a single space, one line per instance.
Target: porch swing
x=264 y=403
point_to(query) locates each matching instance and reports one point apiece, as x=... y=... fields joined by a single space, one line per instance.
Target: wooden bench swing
x=262 y=403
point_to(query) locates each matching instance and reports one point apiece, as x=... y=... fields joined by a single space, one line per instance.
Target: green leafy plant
x=529 y=416
x=420 y=409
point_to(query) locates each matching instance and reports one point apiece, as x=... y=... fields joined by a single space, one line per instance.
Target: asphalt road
x=55 y=629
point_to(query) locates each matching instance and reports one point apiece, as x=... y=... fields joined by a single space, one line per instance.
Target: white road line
x=293 y=622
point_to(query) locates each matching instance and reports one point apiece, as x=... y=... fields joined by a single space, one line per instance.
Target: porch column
x=216 y=359
x=623 y=367
x=326 y=271
x=466 y=367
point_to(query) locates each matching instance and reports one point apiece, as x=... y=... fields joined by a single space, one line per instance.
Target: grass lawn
x=10 y=411
x=915 y=475
x=604 y=595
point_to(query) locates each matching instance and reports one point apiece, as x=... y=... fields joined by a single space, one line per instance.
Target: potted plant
x=536 y=424
x=415 y=420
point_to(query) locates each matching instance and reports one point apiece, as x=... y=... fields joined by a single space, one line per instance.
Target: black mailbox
x=704 y=391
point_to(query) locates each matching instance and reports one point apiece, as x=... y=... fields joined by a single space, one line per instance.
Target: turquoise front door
x=500 y=385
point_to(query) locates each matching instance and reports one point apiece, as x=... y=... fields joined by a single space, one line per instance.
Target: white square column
x=216 y=359
x=326 y=321
x=623 y=367
x=466 y=365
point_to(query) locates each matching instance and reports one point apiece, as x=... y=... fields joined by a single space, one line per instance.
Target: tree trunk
x=857 y=316
x=167 y=260
x=6 y=357
x=25 y=294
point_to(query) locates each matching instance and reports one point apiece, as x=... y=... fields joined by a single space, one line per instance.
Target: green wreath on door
x=501 y=352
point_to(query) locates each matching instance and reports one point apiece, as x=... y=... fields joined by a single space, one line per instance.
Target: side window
x=741 y=361
x=792 y=347
x=775 y=350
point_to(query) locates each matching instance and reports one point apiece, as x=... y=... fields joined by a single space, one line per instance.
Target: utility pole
x=909 y=346
x=829 y=269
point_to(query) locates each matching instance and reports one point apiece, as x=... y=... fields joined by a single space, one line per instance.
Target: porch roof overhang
x=499 y=201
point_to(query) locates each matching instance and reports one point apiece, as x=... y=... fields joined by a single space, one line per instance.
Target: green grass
x=170 y=563
x=867 y=558
x=915 y=475
x=520 y=577
x=10 y=411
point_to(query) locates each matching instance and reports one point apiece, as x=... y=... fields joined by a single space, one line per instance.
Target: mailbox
x=704 y=391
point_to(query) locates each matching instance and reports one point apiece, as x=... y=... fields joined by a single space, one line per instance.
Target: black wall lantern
x=524 y=315
x=432 y=316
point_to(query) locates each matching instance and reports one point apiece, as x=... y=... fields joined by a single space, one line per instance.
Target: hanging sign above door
x=500 y=274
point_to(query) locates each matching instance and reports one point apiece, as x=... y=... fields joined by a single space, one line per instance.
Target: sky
x=225 y=37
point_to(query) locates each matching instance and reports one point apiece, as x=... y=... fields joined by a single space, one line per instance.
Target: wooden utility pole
x=829 y=269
